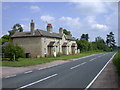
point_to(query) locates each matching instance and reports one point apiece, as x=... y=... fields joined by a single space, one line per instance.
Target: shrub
x=59 y=54
x=13 y=52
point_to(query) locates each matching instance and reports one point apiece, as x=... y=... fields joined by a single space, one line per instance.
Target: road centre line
x=78 y=65
x=27 y=72
x=10 y=76
x=92 y=59
x=37 y=81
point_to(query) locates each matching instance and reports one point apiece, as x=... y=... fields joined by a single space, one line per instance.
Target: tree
x=110 y=40
x=82 y=45
x=15 y=28
x=101 y=45
x=66 y=32
x=5 y=38
x=85 y=36
x=13 y=52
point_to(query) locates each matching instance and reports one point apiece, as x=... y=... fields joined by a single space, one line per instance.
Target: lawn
x=116 y=61
x=22 y=62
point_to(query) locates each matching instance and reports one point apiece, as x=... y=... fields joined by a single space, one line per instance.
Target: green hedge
x=116 y=61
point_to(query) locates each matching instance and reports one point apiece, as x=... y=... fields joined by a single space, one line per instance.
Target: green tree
x=15 y=28
x=90 y=46
x=5 y=38
x=101 y=45
x=85 y=36
x=82 y=45
x=13 y=52
x=66 y=32
x=110 y=40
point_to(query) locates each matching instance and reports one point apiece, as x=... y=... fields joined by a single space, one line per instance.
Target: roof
x=39 y=33
x=69 y=37
x=65 y=44
x=51 y=44
x=73 y=45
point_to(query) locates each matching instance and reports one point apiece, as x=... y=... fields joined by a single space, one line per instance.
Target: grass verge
x=22 y=62
x=116 y=61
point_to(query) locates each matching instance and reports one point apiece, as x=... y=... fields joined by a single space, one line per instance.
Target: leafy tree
x=16 y=28
x=90 y=46
x=13 y=52
x=110 y=40
x=82 y=45
x=101 y=44
x=66 y=32
x=5 y=38
x=94 y=46
x=85 y=36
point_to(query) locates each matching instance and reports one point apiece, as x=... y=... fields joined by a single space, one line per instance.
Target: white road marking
x=78 y=65
x=37 y=81
x=99 y=73
x=10 y=76
x=92 y=59
x=27 y=72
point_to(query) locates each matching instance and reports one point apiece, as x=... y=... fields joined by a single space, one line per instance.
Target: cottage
x=41 y=43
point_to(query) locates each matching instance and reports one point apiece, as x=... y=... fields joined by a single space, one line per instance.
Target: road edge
x=89 y=85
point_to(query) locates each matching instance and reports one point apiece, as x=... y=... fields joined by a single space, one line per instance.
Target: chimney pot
x=60 y=30
x=32 y=25
x=49 y=28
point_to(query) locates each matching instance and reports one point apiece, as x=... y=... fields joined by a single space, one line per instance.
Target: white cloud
x=47 y=18
x=89 y=8
x=35 y=8
x=71 y=22
x=90 y=19
x=100 y=27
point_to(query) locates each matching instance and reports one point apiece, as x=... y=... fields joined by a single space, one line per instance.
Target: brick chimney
x=32 y=25
x=49 y=28
x=60 y=30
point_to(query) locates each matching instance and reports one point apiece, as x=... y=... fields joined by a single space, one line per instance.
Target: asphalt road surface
x=74 y=74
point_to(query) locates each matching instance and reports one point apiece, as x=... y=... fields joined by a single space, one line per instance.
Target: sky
x=93 y=18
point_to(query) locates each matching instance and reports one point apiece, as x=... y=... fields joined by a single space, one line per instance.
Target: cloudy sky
x=94 y=18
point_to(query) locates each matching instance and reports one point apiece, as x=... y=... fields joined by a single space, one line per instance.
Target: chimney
x=49 y=28
x=60 y=30
x=32 y=25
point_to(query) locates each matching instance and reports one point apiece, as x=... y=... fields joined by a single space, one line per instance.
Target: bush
x=13 y=52
x=59 y=54
x=116 y=61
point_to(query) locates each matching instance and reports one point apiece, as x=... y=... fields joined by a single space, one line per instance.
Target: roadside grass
x=116 y=61
x=23 y=62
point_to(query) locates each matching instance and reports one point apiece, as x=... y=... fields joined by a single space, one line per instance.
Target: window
x=44 y=50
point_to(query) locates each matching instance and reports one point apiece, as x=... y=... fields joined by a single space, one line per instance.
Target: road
x=74 y=74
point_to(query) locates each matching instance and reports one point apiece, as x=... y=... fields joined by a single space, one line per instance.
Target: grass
x=22 y=62
x=116 y=61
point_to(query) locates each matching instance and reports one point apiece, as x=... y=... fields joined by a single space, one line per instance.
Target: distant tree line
x=99 y=43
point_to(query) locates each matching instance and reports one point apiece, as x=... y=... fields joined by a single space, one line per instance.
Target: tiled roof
x=73 y=45
x=69 y=37
x=39 y=33
x=51 y=44
x=65 y=44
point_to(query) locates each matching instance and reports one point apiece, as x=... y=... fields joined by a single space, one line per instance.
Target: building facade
x=40 y=43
